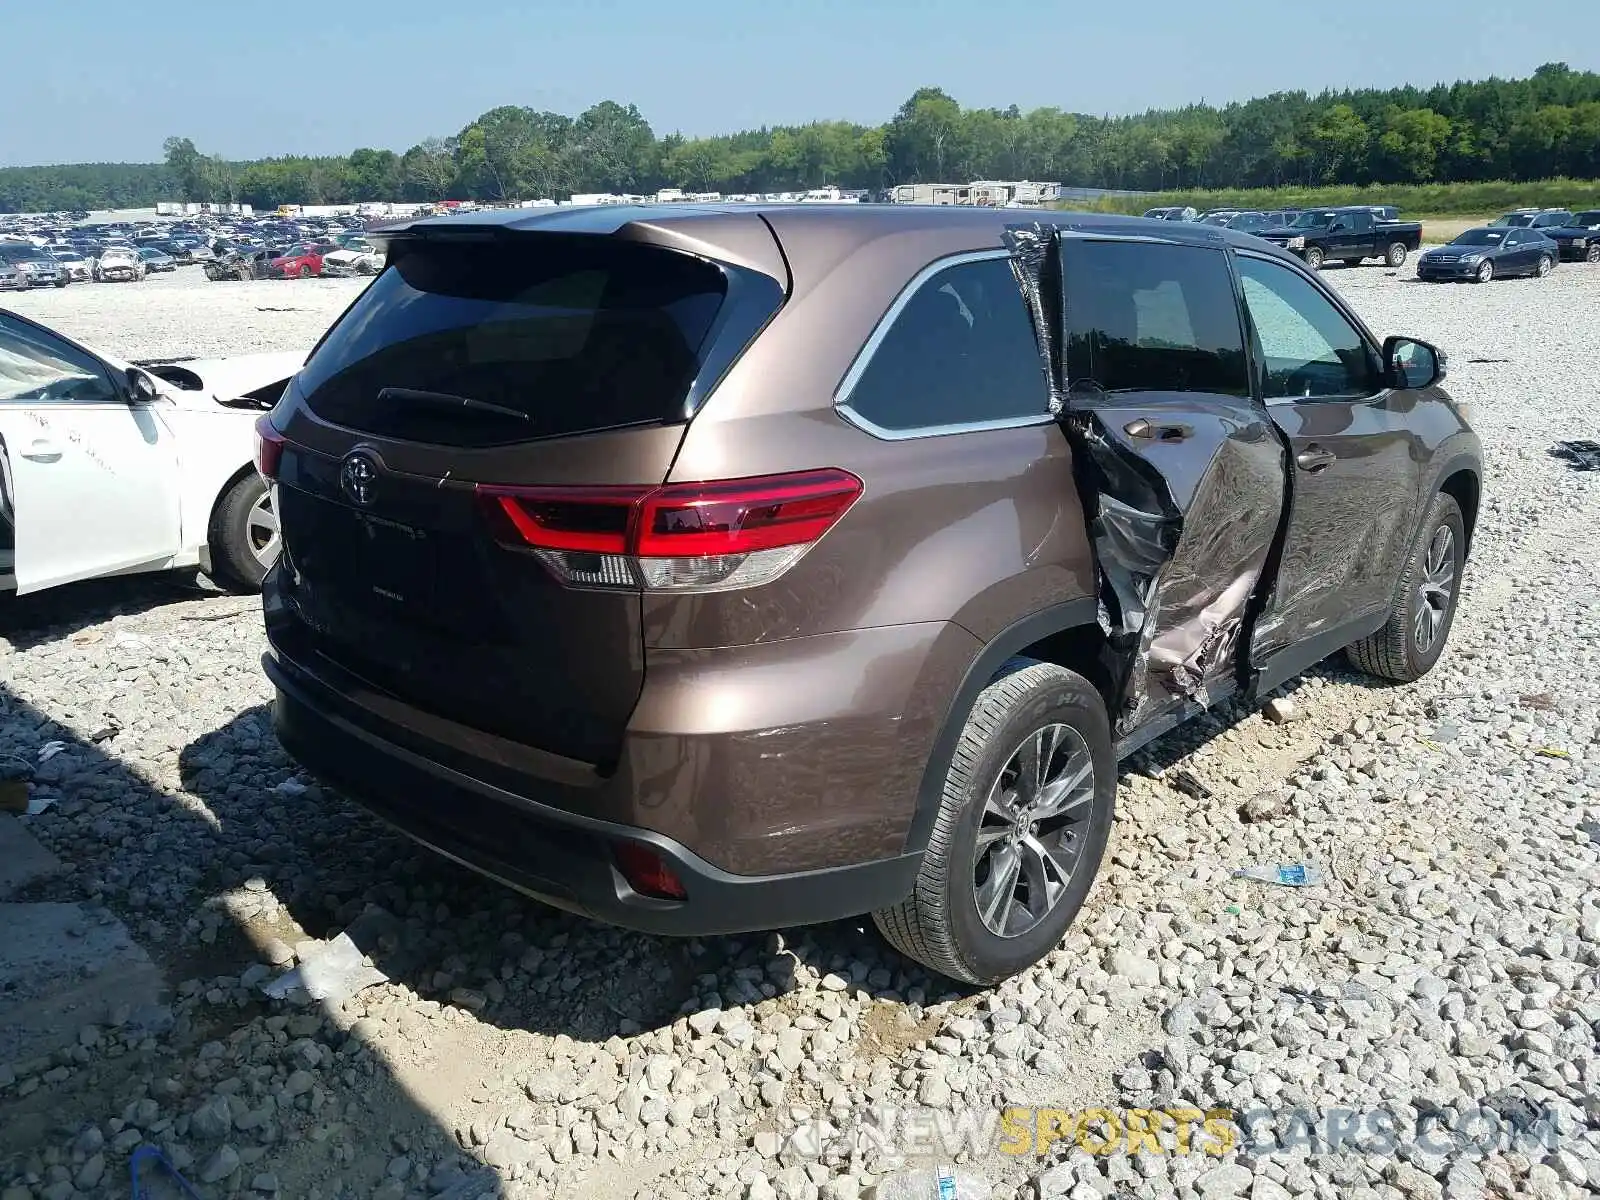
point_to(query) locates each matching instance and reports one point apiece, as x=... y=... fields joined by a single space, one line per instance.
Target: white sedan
x=113 y=469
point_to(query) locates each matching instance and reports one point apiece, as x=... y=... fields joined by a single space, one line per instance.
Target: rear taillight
x=684 y=537
x=269 y=449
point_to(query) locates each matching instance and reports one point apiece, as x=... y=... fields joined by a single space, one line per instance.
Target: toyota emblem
x=358 y=477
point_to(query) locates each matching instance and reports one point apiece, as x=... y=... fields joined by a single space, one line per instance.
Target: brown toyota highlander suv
x=711 y=569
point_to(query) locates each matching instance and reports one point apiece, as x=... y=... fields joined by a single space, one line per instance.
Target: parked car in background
x=79 y=268
x=113 y=469
x=356 y=256
x=298 y=262
x=642 y=622
x=11 y=279
x=157 y=260
x=119 y=264
x=1534 y=218
x=1491 y=252
x=1579 y=239
x=1249 y=222
x=37 y=267
x=1349 y=235
x=238 y=263
x=1172 y=214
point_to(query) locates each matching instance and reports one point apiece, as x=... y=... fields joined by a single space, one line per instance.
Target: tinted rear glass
x=565 y=335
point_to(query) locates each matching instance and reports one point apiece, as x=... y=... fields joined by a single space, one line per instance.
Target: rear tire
x=970 y=884
x=1395 y=256
x=1412 y=639
x=241 y=551
x=1546 y=265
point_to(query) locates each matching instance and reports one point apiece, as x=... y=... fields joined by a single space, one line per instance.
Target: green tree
x=1411 y=142
x=924 y=137
x=427 y=170
x=1339 y=139
x=184 y=162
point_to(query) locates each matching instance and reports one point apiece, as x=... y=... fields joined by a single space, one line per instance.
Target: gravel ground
x=181 y=314
x=1445 y=970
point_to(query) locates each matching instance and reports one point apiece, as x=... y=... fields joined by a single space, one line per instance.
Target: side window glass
x=1309 y=348
x=1144 y=316
x=960 y=350
x=36 y=367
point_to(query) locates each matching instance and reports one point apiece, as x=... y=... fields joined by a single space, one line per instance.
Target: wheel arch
x=218 y=497
x=1460 y=480
x=1067 y=634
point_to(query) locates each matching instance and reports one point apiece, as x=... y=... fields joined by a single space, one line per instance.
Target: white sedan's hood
x=205 y=381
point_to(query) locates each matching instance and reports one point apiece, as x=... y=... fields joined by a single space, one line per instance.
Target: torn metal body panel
x=1185 y=487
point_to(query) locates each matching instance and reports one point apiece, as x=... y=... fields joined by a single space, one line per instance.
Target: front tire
x=1485 y=271
x=244 y=536
x=1021 y=829
x=1424 y=604
x=1395 y=256
x=1592 y=254
x=1314 y=257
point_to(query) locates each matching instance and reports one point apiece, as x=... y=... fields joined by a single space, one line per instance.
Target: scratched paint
x=73 y=436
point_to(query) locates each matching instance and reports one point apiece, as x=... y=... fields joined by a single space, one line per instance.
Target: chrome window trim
x=863 y=359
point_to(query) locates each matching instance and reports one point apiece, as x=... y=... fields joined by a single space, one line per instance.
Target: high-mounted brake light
x=680 y=537
x=269 y=448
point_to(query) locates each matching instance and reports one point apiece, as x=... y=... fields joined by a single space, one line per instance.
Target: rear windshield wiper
x=448 y=400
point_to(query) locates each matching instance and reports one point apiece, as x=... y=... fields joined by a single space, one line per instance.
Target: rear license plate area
x=371 y=562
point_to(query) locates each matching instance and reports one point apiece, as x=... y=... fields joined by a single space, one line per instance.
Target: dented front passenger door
x=1176 y=460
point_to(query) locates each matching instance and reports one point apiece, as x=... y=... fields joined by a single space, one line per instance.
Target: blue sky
x=103 y=80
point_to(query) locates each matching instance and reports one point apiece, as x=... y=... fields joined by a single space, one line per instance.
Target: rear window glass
x=961 y=351
x=494 y=342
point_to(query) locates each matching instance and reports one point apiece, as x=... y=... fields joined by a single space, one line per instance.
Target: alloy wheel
x=1031 y=829
x=1435 y=590
x=261 y=531
x=1593 y=254
x=1486 y=272
x=1545 y=266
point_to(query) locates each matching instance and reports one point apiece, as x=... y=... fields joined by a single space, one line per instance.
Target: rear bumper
x=539 y=836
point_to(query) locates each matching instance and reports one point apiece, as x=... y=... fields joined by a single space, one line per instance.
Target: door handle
x=1152 y=431
x=1315 y=458
x=42 y=450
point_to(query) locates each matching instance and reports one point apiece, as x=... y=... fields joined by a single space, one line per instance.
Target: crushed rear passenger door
x=1177 y=463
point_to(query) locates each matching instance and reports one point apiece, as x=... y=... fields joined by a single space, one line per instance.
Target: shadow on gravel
x=216 y=1076
x=28 y=621
x=461 y=939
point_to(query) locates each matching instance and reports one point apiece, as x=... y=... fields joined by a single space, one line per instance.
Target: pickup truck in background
x=1350 y=235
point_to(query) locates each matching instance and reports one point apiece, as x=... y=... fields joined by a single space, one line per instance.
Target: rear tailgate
x=525 y=359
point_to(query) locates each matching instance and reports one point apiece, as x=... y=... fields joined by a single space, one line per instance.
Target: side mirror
x=141 y=388
x=1410 y=364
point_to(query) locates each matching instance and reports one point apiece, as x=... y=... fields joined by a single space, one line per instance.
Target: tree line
x=1495 y=129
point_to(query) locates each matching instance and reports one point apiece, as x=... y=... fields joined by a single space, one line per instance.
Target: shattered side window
x=1148 y=316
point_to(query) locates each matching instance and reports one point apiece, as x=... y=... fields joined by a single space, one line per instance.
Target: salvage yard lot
x=1449 y=960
